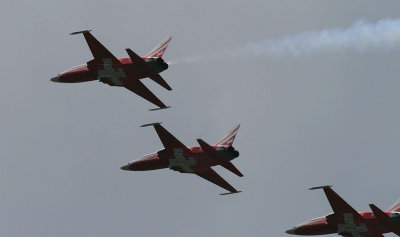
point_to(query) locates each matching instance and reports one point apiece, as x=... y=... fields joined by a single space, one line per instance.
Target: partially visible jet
x=196 y=159
x=125 y=72
x=348 y=222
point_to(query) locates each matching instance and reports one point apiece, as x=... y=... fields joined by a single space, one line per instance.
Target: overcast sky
x=329 y=117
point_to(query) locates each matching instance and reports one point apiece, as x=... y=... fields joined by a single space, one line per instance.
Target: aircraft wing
x=339 y=206
x=213 y=177
x=100 y=53
x=168 y=140
x=137 y=87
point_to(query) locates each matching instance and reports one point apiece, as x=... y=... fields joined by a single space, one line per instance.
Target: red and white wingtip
x=230 y=138
x=158 y=51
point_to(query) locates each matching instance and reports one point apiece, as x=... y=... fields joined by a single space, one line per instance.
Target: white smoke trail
x=361 y=36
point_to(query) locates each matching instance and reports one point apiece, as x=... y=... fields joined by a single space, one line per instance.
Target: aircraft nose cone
x=125 y=167
x=291 y=231
x=55 y=79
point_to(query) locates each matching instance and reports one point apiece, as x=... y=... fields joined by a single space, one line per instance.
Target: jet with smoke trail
x=361 y=36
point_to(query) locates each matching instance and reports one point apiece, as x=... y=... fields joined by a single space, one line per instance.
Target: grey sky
x=329 y=118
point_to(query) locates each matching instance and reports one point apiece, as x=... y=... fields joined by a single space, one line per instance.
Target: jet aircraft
x=124 y=72
x=196 y=159
x=348 y=222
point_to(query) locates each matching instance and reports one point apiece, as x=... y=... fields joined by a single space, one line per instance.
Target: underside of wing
x=100 y=53
x=213 y=177
x=140 y=89
x=339 y=206
x=169 y=141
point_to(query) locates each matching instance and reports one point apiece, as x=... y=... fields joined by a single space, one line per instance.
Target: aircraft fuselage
x=346 y=225
x=183 y=162
x=111 y=73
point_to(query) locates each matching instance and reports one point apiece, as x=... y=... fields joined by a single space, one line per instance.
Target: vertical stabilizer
x=158 y=51
x=230 y=138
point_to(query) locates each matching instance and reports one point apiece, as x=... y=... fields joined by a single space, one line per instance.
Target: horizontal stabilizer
x=229 y=166
x=384 y=219
x=320 y=187
x=214 y=154
x=80 y=32
x=207 y=148
x=150 y=124
x=141 y=64
x=230 y=193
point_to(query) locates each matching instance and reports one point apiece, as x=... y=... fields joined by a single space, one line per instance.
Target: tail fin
x=228 y=139
x=158 y=51
x=395 y=207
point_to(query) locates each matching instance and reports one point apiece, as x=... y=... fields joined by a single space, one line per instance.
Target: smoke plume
x=361 y=36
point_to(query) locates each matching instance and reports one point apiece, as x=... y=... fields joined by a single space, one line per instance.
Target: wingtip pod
x=222 y=194
x=320 y=187
x=155 y=109
x=150 y=124
x=80 y=32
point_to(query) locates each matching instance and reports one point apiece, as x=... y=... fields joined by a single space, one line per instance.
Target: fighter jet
x=348 y=222
x=195 y=160
x=124 y=72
